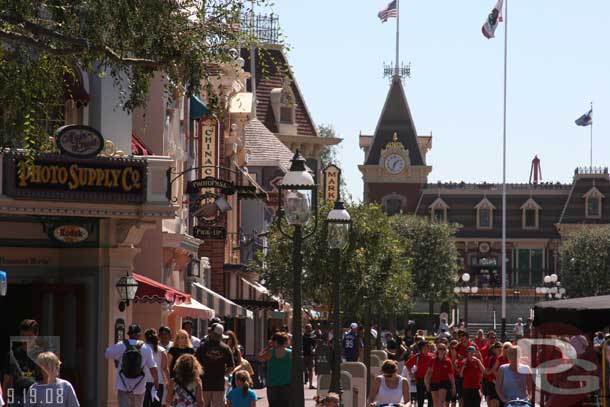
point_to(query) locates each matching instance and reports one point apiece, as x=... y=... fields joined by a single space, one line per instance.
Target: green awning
x=197 y=108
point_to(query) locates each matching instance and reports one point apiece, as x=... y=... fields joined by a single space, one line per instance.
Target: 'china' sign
x=79 y=141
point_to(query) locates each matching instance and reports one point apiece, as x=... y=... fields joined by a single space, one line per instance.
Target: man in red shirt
x=463 y=344
x=471 y=370
x=418 y=365
x=491 y=339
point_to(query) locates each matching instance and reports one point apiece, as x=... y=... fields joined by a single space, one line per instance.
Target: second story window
x=484 y=214
x=438 y=210
x=593 y=203
x=393 y=204
x=530 y=214
x=283 y=103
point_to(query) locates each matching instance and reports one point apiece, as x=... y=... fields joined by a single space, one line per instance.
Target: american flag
x=388 y=11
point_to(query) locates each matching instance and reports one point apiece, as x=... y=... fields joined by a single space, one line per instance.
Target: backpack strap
x=129 y=346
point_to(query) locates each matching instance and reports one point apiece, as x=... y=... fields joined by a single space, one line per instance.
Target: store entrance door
x=61 y=311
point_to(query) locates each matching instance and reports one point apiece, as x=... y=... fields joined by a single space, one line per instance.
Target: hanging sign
x=211 y=182
x=332 y=180
x=79 y=141
x=209 y=148
x=70 y=233
x=209 y=232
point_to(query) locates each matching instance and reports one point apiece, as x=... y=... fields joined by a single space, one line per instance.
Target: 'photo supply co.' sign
x=79 y=141
x=57 y=178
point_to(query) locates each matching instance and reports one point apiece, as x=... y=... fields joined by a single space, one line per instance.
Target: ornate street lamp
x=297 y=196
x=127 y=286
x=338 y=222
x=552 y=287
x=465 y=290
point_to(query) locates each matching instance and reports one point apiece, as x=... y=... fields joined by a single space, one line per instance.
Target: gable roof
x=271 y=68
x=265 y=149
x=574 y=208
x=531 y=204
x=395 y=118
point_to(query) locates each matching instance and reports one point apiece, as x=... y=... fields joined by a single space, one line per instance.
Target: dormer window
x=283 y=104
x=438 y=211
x=530 y=214
x=485 y=214
x=593 y=204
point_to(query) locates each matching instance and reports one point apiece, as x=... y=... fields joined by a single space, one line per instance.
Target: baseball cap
x=471 y=349
x=134 y=329
x=354 y=325
x=219 y=331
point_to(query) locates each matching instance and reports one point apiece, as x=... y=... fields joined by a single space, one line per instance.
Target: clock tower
x=394 y=169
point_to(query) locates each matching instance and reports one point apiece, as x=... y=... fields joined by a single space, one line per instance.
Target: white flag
x=494 y=18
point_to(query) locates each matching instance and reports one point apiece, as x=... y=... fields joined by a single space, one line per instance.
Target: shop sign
x=54 y=177
x=332 y=179
x=70 y=233
x=211 y=182
x=79 y=141
x=209 y=148
x=209 y=232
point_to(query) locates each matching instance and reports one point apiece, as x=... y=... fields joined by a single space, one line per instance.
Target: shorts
x=458 y=387
x=489 y=390
x=308 y=362
x=446 y=384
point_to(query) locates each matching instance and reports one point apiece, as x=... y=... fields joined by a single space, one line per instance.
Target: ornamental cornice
x=377 y=174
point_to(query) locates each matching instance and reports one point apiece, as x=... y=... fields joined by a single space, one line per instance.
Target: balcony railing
x=263 y=28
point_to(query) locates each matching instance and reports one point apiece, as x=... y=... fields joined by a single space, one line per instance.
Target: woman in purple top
x=51 y=391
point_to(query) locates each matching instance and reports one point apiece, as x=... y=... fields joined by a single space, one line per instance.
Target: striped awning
x=222 y=306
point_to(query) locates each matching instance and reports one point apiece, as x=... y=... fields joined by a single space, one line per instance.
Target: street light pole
x=335 y=381
x=297 y=391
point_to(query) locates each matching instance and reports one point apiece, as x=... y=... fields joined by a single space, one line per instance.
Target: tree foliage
x=130 y=40
x=431 y=250
x=372 y=265
x=585 y=262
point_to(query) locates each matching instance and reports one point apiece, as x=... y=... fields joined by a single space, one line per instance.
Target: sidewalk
x=262 y=397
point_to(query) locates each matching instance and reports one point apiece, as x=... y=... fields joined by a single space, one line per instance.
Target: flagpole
x=504 y=274
x=397 y=35
x=591 y=143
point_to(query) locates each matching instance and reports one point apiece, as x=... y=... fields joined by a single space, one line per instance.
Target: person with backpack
x=185 y=388
x=134 y=356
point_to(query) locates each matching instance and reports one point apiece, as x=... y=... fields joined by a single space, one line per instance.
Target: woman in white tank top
x=160 y=356
x=390 y=387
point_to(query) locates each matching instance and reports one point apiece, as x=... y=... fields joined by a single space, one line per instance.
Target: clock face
x=394 y=163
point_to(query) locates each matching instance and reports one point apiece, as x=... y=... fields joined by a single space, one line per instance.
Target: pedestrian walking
x=514 y=379
x=471 y=372
x=279 y=365
x=351 y=346
x=182 y=346
x=440 y=378
x=390 y=387
x=216 y=359
x=19 y=367
x=134 y=356
x=165 y=337
x=160 y=357
x=519 y=329
x=242 y=395
x=187 y=325
x=50 y=390
x=418 y=365
x=309 y=349
x=185 y=388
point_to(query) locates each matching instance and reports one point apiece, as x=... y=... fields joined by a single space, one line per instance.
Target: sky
x=558 y=62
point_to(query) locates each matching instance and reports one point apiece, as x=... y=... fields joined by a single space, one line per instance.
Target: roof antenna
x=536 y=171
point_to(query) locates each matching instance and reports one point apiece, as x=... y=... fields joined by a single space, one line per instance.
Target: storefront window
x=529 y=267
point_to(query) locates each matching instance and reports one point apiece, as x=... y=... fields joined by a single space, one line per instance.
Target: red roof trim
x=150 y=290
x=138 y=147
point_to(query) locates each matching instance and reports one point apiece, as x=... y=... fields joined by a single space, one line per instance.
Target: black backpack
x=131 y=362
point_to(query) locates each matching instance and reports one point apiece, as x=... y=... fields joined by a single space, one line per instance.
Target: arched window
x=393 y=204
x=593 y=203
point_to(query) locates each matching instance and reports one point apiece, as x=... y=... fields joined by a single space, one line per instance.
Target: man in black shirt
x=309 y=348
x=217 y=360
x=19 y=369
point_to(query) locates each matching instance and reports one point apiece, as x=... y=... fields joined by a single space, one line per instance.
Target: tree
x=131 y=40
x=585 y=262
x=430 y=247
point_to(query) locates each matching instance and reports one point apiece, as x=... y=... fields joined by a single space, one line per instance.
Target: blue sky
x=559 y=61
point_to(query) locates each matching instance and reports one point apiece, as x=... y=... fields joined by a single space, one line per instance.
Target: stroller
x=518 y=403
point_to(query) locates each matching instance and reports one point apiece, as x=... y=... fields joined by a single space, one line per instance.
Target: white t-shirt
x=195 y=341
x=519 y=328
x=116 y=352
x=158 y=355
x=58 y=394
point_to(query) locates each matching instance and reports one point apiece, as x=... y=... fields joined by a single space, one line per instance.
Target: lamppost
x=552 y=287
x=338 y=221
x=465 y=290
x=127 y=286
x=297 y=194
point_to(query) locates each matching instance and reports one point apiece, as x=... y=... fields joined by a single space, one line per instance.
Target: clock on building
x=394 y=163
